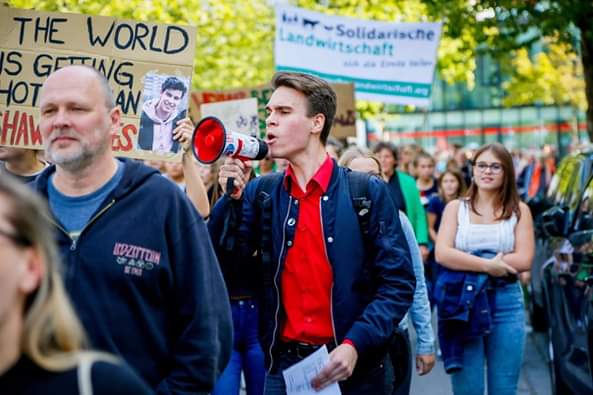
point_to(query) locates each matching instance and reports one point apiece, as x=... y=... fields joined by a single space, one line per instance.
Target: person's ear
x=318 y=122
x=32 y=272
x=115 y=120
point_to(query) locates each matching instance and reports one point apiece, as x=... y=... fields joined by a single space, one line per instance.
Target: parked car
x=567 y=288
x=563 y=193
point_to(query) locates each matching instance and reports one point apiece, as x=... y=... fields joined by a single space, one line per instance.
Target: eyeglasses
x=495 y=168
x=16 y=239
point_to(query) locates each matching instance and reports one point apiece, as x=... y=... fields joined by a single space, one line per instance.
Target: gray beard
x=74 y=164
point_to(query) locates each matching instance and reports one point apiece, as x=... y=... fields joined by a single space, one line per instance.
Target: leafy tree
x=503 y=27
x=553 y=77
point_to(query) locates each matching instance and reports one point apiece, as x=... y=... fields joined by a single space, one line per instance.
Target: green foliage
x=553 y=77
x=507 y=29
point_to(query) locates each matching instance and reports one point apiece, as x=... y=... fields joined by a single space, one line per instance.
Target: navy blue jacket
x=146 y=284
x=368 y=299
x=463 y=310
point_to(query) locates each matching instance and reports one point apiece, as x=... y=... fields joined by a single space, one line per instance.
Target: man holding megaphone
x=324 y=283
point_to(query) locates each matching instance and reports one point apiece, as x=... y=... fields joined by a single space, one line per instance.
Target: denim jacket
x=463 y=310
x=420 y=310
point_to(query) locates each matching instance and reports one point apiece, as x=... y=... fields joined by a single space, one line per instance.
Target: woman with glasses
x=483 y=242
x=41 y=340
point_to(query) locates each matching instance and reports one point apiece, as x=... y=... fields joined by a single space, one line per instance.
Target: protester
x=241 y=278
x=334 y=147
x=174 y=172
x=425 y=182
x=140 y=267
x=462 y=162
x=407 y=155
x=403 y=193
x=209 y=175
x=187 y=174
x=21 y=163
x=490 y=221
x=41 y=340
x=451 y=186
x=400 y=351
x=323 y=283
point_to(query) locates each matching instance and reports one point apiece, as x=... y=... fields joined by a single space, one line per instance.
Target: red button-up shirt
x=307 y=277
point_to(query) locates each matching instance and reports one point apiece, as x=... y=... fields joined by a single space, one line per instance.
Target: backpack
x=361 y=202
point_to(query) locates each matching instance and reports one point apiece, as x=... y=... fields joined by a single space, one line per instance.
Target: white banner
x=388 y=62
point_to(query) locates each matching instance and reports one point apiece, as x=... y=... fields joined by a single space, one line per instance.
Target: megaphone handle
x=230 y=185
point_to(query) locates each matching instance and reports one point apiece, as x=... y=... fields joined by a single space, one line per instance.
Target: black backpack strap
x=264 y=206
x=359 y=190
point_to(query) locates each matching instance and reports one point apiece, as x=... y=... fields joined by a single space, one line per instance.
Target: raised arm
x=195 y=188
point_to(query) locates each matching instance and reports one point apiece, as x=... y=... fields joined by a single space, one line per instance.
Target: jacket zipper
x=276 y=285
x=74 y=243
x=331 y=295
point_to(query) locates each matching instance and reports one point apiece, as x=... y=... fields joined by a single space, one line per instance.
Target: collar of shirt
x=321 y=178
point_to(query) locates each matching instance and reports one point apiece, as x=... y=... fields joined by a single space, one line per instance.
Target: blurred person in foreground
x=42 y=343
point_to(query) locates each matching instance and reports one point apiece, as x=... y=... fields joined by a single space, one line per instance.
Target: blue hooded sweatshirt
x=146 y=283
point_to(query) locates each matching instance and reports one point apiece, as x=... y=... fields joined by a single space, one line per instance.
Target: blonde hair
x=355 y=152
x=52 y=334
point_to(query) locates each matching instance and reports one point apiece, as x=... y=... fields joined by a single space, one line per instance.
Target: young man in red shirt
x=323 y=283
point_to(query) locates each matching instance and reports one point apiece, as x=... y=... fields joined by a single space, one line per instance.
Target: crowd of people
x=160 y=269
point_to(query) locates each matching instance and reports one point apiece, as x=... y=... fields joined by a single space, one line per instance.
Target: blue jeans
x=247 y=354
x=501 y=350
x=370 y=383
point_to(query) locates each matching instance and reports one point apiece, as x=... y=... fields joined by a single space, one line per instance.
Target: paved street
x=534 y=380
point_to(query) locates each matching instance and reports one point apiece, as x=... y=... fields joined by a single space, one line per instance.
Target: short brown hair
x=423 y=155
x=381 y=145
x=321 y=98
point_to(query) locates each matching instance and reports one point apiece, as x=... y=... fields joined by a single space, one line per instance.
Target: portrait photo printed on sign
x=165 y=102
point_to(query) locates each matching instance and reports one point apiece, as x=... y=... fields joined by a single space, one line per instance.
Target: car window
x=554 y=183
x=564 y=190
x=585 y=209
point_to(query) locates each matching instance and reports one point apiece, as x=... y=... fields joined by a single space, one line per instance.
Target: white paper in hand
x=298 y=377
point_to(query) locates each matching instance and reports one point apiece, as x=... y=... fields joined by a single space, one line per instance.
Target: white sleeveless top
x=499 y=237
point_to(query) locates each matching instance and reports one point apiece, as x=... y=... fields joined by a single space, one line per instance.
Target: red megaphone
x=211 y=140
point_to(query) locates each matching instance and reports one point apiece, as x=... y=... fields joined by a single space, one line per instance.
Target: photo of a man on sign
x=165 y=103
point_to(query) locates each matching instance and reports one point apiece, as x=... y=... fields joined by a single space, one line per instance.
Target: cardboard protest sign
x=137 y=58
x=237 y=115
x=344 y=123
x=387 y=61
